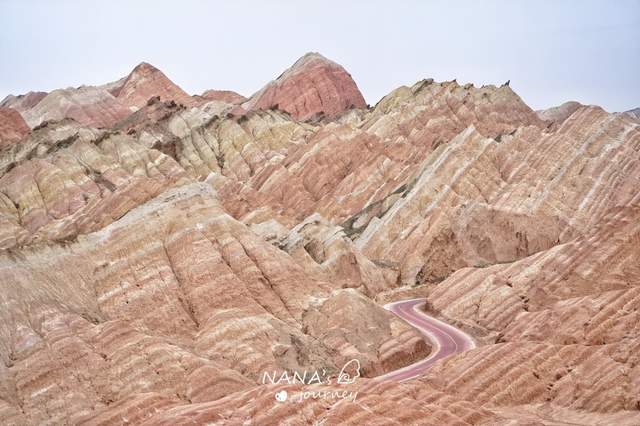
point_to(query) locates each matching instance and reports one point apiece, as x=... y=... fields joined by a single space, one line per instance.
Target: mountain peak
x=307 y=61
x=144 y=67
x=311 y=57
x=558 y=114
x=146 y=81
x=312 y=87
x=22 y=103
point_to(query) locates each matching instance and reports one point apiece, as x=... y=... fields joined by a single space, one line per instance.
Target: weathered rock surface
x=227 y=96
x=478 y=201
x=369 y=162
x=313 y=87
x=190 y=299
x=22 y=103
x=44 y=140
x=384 y=404
x=79 y=186
x=326 y=249
x=145 y=82
x=99 y=106
x=153 y=270
x=340 y=321
x=89 y=105
x=634 y=113
x=12 y=127
x=556 y=115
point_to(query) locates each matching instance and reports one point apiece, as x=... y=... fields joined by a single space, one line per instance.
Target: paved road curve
x=446 y=339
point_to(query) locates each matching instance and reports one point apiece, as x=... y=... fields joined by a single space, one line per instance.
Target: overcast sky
x=552 y=51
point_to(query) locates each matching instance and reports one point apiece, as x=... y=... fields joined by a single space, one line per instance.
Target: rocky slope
x=145 y=82
x=22 y=103
x=556 y=115
x=99 y=106
x=152 y=270
x=313 y=87
x=12 y=127
x=633 y=113
x=227 y=96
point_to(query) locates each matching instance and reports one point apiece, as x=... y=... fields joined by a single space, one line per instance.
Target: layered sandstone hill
x=192 y=305
x=145 y=82
x=556 y=115
x=99 y=106
x=22 y=103
x=12 y=127
x=634 y=113
x=223 y=95
x=313 y=87
x=153 y=270
x=90 y=105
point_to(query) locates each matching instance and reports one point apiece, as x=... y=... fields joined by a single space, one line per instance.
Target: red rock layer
x=12 y=127
x=313 y=87
x=145 y=82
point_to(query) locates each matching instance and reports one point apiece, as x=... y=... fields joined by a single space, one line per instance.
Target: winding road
x=446 y=339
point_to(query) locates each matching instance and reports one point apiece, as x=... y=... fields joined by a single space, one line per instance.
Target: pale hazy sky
x=552 y=51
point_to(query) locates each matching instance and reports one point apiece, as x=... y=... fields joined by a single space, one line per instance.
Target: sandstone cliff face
x=313 y=87
x=153 y=270
x=12 y=127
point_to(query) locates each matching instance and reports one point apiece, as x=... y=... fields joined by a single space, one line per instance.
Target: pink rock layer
x=313 y=87
x=228 y=96
x=145 y=82
x=12 y=127
x=154 y=271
